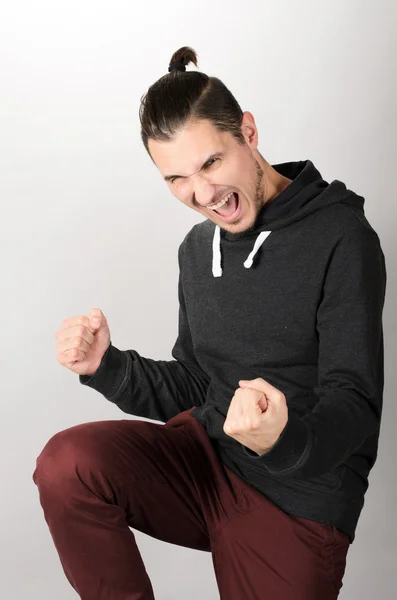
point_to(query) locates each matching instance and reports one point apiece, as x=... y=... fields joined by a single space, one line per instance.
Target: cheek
x=238 y=175
x=177 y=192
x=183 y=197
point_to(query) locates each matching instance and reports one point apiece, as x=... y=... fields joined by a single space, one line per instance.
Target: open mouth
x=230 y=210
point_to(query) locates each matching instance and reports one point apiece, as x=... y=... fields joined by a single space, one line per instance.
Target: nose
x=203 y=192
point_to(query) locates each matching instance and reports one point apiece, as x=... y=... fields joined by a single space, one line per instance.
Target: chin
x=234 y=227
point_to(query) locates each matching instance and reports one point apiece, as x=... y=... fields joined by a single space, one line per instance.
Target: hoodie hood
x=307 y=193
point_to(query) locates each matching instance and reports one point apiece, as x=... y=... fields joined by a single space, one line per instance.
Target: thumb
x=263 y=403
x=246 y=383
x=258 y=384
x=96 y=318
x=271 y=393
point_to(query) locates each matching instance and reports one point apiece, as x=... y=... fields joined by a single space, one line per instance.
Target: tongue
x=229 y=208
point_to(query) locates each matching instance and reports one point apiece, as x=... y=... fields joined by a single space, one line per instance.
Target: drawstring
x=258 y=243
x=216 y=251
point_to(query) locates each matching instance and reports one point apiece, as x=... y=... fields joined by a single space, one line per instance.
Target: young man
x=272 y=404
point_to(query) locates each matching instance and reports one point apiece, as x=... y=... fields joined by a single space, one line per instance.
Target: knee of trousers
x=69 y=455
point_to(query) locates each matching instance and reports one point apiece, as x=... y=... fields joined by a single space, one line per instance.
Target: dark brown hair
x=182 y=95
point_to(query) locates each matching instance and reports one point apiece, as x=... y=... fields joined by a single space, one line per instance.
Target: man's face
x=208 y=165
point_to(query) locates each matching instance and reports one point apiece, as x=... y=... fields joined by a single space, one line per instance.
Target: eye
x=211 y=162
x=207 y=165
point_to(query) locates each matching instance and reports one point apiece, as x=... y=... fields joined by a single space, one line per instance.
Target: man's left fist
x=257 y=415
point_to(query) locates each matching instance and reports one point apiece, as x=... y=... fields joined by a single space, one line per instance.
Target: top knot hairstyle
x=181 y=96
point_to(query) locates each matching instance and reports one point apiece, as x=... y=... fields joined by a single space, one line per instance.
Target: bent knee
x=69 y=452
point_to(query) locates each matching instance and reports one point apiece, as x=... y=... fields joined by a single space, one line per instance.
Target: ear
x=249 y=130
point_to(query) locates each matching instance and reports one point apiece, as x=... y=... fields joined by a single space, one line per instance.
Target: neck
x=273 y=182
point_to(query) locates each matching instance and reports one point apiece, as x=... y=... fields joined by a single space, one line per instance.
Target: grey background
x=87 y=221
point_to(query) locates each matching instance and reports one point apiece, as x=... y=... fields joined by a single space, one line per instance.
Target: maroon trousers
x=96 y=480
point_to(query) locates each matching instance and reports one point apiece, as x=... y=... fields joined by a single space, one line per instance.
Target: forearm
x=324 y=438
x=144 y=387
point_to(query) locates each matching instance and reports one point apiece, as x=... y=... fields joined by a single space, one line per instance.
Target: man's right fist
x=82 y=342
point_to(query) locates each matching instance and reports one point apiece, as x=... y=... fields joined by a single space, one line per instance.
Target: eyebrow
x=215 y=155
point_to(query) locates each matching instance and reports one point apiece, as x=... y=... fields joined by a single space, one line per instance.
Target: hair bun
x=181 y=58
x=176 y=67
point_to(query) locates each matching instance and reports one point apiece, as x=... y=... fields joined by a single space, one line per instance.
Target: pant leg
x=96 y=480
x=262 y=553
x=267 y=554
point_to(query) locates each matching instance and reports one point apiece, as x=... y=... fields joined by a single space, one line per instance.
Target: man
x=272 y=404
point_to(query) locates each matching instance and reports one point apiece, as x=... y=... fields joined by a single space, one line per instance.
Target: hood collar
x=307 y=193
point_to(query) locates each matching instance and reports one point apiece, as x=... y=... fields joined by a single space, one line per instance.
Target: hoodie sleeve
x=153 y=389
x=350 y=365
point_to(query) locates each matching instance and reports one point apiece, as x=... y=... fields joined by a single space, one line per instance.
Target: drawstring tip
x=258 y=243
x=217 y=271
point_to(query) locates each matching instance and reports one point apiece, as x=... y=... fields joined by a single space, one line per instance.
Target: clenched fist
x=257 y=415
x=82 y=342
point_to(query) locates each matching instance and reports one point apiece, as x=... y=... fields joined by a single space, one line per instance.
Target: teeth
x=221 y=203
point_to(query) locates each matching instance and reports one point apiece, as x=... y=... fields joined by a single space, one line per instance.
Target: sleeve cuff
x=111 y=373
x=290 y=450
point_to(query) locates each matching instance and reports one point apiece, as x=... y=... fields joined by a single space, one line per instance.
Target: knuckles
x=81 y=330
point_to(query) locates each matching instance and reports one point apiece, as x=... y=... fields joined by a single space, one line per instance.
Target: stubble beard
x=258 y=201
x=259 y=195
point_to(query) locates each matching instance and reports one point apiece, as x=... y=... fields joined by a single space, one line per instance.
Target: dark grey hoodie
x=298 y=301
